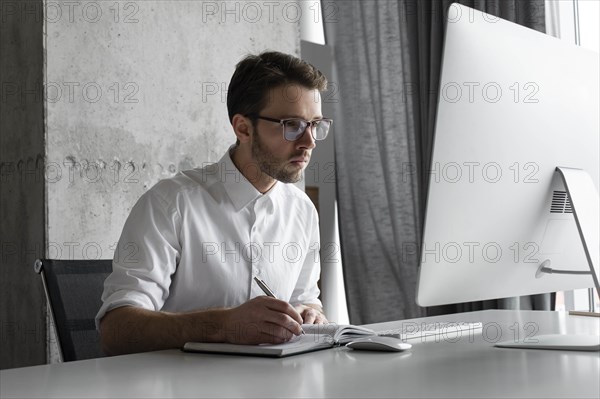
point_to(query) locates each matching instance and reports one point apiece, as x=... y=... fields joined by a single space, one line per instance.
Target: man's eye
x=294 y=125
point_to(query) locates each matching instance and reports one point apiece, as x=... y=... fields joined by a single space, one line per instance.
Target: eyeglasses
x=294 y=128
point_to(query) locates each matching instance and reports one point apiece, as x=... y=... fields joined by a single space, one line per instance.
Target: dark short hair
x=255 y=75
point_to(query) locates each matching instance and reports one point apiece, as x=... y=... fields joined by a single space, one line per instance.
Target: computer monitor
x=514 y=104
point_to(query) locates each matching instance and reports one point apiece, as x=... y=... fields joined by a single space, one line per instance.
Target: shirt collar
x=240 y=191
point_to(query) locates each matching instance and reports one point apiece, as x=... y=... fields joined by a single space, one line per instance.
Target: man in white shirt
x=184 y=266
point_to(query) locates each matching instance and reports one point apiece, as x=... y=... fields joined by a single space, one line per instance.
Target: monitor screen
x=514 y=104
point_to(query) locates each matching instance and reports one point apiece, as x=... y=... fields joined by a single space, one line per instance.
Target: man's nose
x=307 y=140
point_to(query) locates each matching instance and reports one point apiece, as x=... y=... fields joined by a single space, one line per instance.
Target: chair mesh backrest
x=75 y=290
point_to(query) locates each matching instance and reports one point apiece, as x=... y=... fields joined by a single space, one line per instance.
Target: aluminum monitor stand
x=586 y=209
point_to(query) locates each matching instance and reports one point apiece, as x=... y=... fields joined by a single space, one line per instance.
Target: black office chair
x=73 y=290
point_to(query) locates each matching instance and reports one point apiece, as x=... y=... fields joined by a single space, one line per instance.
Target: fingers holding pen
x=262 y=320
x=283 y=315
x=278 y=305
x=284 y=308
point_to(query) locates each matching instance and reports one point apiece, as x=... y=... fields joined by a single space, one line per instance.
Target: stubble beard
x=269 y=164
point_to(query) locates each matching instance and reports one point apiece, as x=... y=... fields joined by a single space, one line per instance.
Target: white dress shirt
x=196 y=240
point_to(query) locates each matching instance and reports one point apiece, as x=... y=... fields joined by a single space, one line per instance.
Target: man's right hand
x=261 y=320
x=129 y=329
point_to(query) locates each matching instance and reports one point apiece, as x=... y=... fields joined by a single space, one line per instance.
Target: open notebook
x=322 y=336
x=318 y=336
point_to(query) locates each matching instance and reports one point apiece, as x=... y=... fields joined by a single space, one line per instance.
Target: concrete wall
x=148 y=99
x=135 y=91
x=22 y=319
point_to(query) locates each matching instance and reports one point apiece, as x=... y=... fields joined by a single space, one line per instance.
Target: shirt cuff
x=123 y=298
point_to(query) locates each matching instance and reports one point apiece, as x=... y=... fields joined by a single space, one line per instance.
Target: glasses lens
x=294 y=128
x=321 y=128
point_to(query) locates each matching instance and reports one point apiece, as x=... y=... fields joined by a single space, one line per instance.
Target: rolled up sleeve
x=146 y=257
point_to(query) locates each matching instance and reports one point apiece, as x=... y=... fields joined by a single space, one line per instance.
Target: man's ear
x=242 y=127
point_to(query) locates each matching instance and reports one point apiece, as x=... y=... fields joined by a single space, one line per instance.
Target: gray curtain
x=387 y=67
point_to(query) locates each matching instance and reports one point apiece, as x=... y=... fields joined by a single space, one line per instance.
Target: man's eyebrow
x=300 y=117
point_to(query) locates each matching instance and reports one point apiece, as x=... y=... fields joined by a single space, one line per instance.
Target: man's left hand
x=311 y=314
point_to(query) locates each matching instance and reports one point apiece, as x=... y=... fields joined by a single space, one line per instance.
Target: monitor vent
x=561 y=203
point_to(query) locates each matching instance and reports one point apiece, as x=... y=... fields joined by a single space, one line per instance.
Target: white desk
x=446 y=369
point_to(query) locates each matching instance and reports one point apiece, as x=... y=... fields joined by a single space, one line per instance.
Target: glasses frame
x=308 y=123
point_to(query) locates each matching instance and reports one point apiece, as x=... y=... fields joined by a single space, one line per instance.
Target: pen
x=263 y=286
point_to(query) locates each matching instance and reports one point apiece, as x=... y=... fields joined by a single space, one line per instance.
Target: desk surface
x=465 y=368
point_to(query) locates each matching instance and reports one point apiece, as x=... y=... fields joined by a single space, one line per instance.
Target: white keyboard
x=439 y=331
